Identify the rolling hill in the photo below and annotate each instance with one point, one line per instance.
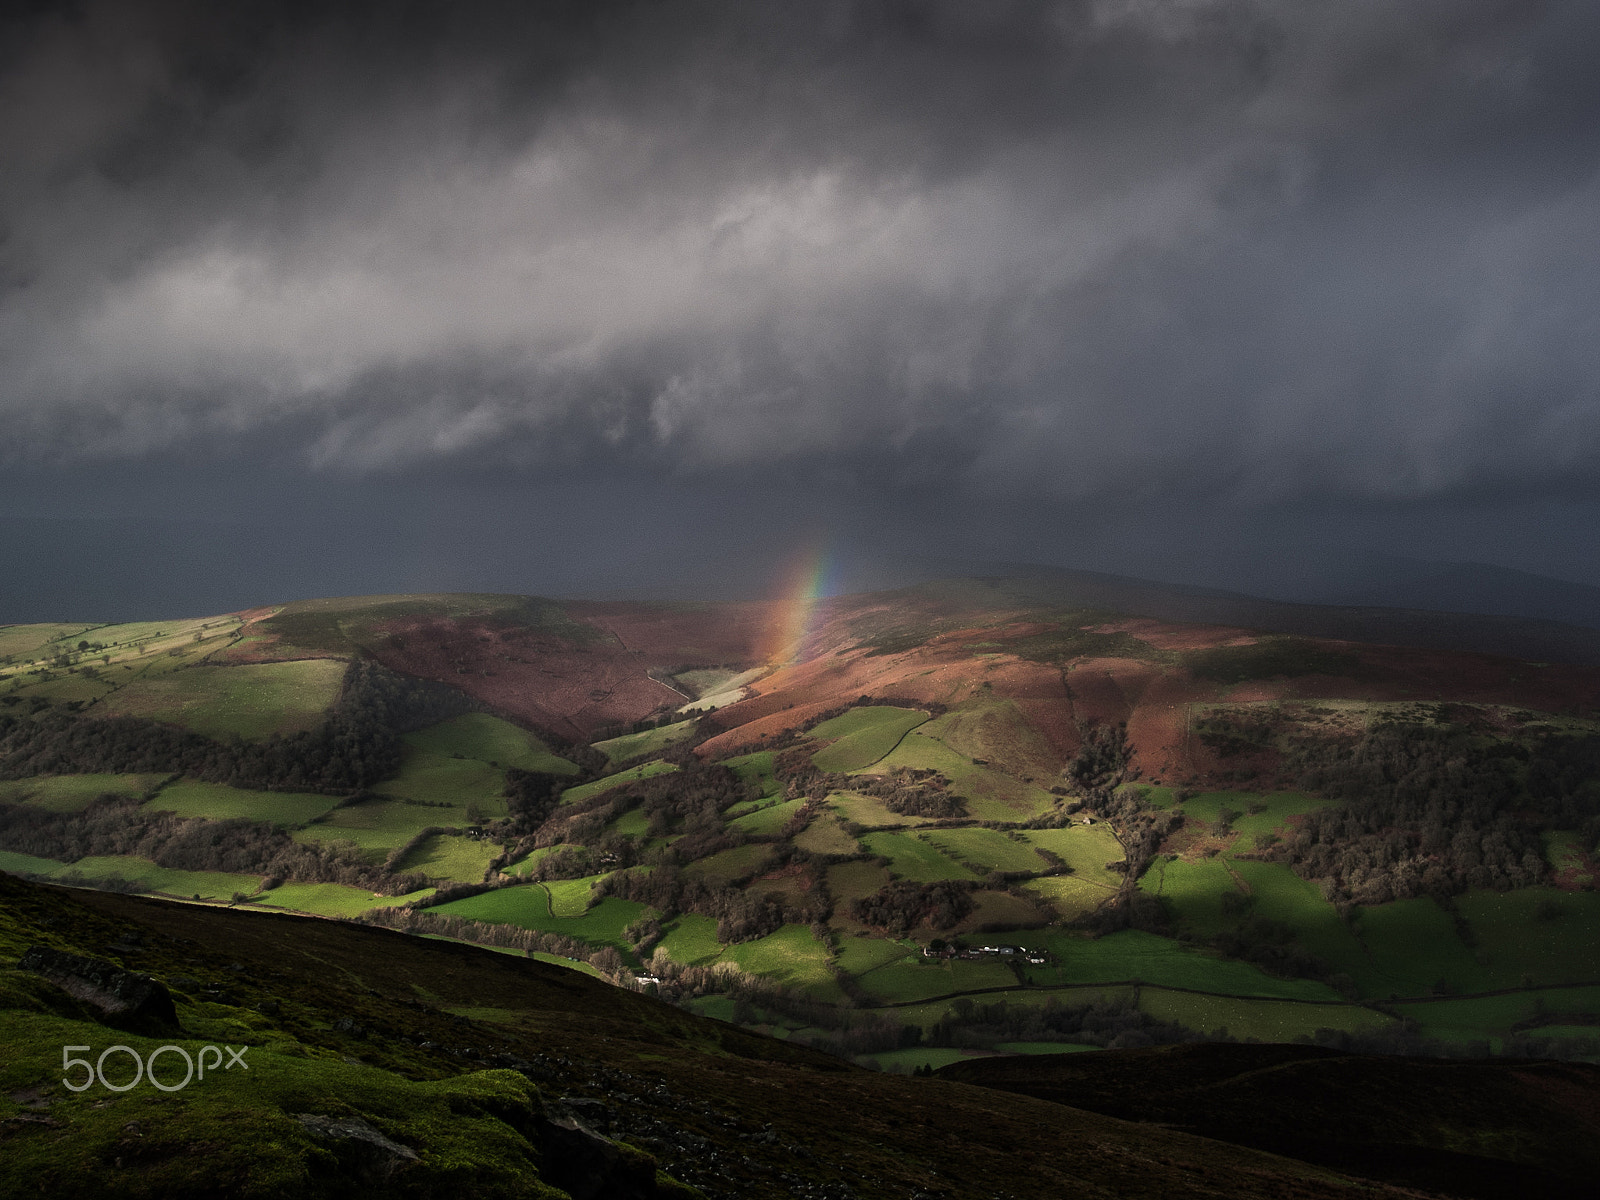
(1010, 815)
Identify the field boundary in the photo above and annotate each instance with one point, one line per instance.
(1140, 985)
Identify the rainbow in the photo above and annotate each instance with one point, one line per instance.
(804, 582)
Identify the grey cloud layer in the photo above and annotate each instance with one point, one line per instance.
(1248, 247)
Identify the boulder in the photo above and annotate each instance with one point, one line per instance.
(123, 999)
(364, 1153)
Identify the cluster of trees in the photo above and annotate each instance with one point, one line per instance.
(117, 825)
(904, 905)
(915, 793)
(800, 778)
(1434, 811)
(1114, 1024)
(531, 796)
(742, 914)
(1101, 762)
(356, 746)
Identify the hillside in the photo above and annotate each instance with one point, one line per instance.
(955, 819)
(372, 1065)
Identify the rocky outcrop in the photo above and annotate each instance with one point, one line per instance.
(123, 999)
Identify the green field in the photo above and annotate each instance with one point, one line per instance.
(586, 790)
(1565, 852)
(1493, 1016)
(570, 897)
(863, 736)
(871, 812)
(445, 856)
(529, 908)
(769, 819)
(991, 795)
(490, 740)
(925, 1056)
(330, 899)
(691, 940)
(378, 826)
(250, 700)
(532, 859)
(217, 802)
(27, 864)
(208, 885)
(997, 909)
(1266, 1020)
(858, 955)
(1069, 896)
(855, 880)
(1547, 936)
(791, 956)
(825, 836)
(756, 768)
(911, 979)
(24, 642)
(1085, 848)
(727, 865)
(1044, 1047)
(73, 793)
(1135, 955)
(648, 741)
(985, 850)
(912, 858)
(440, 779)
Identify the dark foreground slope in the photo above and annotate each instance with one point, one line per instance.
(1468, 1128)
(385, 1065)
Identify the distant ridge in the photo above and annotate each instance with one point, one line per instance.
(1530, 638)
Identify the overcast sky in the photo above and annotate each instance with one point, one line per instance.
(553, 297)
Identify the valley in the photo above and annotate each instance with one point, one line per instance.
(961, 819)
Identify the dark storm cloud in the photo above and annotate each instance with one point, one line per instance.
(1254, 248)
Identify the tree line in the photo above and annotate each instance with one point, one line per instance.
(118, 825)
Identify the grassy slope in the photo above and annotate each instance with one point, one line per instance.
(882, 1135)
(72, 793)
(491, 740)
(862, 736)
(649, 741)
(251, 700)
(586, 790)
(217, 802)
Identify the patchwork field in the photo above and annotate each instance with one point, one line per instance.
(330, 899)
(444, 856)
(584, 791)
(377, 825)
(73, 793)
(985, 850)
(791, 955)
(991, 795)
(1019, 686)
(769, 818)
(529, 907)
(216, 802)
(197, 885)
(738, 863)
(911, 857)
(649, 741)
(862, 736)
